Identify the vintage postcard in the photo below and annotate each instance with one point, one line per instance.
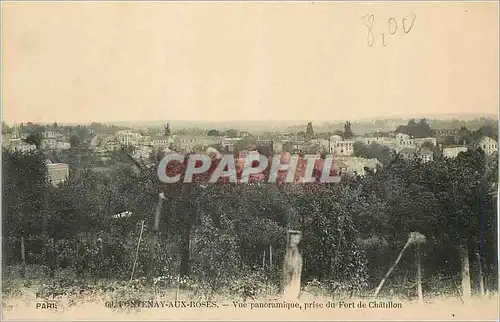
(311, 161)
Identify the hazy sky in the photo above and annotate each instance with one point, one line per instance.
(81, 62)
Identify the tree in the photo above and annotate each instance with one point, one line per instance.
(419, 130)
(84, 133)
(213, 132)
(265, 150)
(488, 130)
(470, 138)
(245, 144)
(5, 128)
(429, 145)
(32, 128)
(34, 138)
(469, 187)
(24, 187)
(232, 133)
(74, 141)
(449, 140)
(331, 252)
(374, 150)
(441, 199)
(347, 131)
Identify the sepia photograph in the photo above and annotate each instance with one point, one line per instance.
(249, 160)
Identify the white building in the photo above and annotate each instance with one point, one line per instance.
(162, 141)
(355, 165)
(403, 141)
(57, 172)
(19, 145)
(399, 142)
(341, 147)
(60, 145)
(145, 140)
(112, 146)
(185, 142)
(53, 141)
(49, 140)
(488, 145)
(128, 138)
(229, 143)
(424, 154)
(335, 138)
(452, 152)
(190, 142)
(380, 140)
(402, 136)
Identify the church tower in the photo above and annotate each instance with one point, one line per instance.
(167, 129)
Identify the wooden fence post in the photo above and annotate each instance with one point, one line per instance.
(23, 257)
(379, 287)
(413, 238)
(480, 275)
(419, 276)
(271, 256)
(466, 288)
(292, 267)
(137, 251)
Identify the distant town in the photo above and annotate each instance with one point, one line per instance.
(99, 147)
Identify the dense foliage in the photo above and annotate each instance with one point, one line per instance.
(382, 153)
(221, 232)
(420, 129)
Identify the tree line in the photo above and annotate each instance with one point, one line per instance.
(352, 231)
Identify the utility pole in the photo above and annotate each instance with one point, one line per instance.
(154, 238)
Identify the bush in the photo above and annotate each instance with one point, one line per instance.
(216, 260)
(252, 284)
